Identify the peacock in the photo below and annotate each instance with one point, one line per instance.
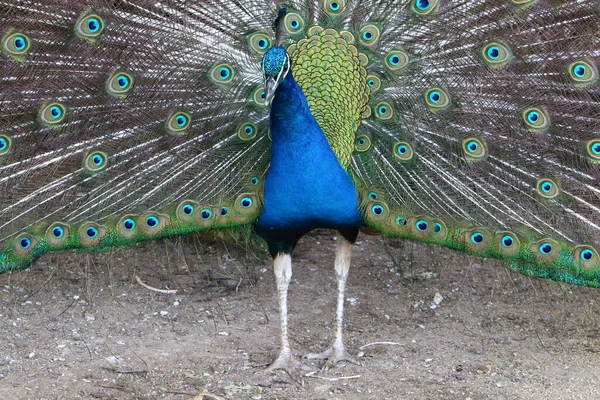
(470, 124)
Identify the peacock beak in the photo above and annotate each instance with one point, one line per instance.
(270, 87)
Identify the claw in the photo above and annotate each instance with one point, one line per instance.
(295, 369)
(333, 355)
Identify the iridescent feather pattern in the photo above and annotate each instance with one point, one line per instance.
(470, 124)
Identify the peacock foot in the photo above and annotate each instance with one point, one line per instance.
(289, 364)
(333, 355)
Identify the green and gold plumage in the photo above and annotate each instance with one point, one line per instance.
(470, 124)
(326, 65)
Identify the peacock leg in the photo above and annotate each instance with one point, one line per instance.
(285, 361)
(337, 352)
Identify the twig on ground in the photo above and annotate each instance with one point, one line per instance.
(340, 378)
(165, 291)
(378, 343)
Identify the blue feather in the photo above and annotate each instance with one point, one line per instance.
(305, 187)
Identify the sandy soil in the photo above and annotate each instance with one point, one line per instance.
(78, 326)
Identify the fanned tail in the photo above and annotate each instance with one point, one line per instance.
(125, 121)
(484, 135)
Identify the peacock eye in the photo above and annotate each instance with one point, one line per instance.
(477, 238)
(474, 149)
(507, 241)
(334, 7)
(294, 23)
(25, 242)
(403, 151)
(496, 54)
(593, 149)
(178, 123)
(52, 114)
(152, 222)
(129, 224)
(221, 74)
(377, 209)
(247, 131)
(547, 188)
(91, 232)
(206, 214)
(583, 72)
(536, 119)
(546, 248)
(384, 111)
(369, 35)
(95, 161)
(587, 255)
(5, 144)
(259, 42)
(246, 202)
(401, 221)
(89, 27)
(422, 225)
(15, 44)
(437, 99)
(424, 7)
(396, 59)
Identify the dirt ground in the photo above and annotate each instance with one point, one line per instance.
(78, 326)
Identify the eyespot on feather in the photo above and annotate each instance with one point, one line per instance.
(152, 223)
(437, 99)
(369, 35)
(186, 211)
(403, 151)
(536, 119)
(89, 26)
(24, 244)
(362, 143)
(545, 250)
(507, 243)
(52, 114)
(474, 149)
(247, 131)
(396, 60)
(91, 233)
(119, 84)
(424, 7)
(547, 188)
(384, 111)
(334, 7)
(15, 44)
(57, 234)
(496, 54)
(293, 23)
(95, 161)
(127, 226)
(586, 257)
(582, 72)
(259, 42)
(178, 123)
(221, 73)
(5, 145)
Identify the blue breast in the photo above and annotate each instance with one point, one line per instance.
(305, 187)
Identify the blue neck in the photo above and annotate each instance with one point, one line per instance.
(305, 187)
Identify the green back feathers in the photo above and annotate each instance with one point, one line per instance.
(326, 66)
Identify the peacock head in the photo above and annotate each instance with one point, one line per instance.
(276, 65)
